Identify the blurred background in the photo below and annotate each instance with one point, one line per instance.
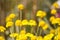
(31, 6)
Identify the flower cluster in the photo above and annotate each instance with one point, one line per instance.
(41, 28)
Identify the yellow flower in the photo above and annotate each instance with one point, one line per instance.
(54, 22)
(12, 15)
(45, 27)
(58, 29)
(48, 36)
(33, 37)
(25, 22)
(58, 21)
(41, 14)
(21, 37)
(53, 11)
(55, 5)
(56, 37)
(18, 23)
(8, 19)
(2, 38)
(2, 28)
(52, 18)
(21, 6)
(29, 35)
(39, 38)
(41, 23)
(9, 24)
(32, 23)
(52, 31)
(22, 32)
(13, 35)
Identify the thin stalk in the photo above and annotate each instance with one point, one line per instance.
(32, 29)
(11, 31)
(47, 23)
(37, 31)
(38, 27)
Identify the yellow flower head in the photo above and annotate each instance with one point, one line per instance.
(56, 37)
(2, 29)
(45, 27)
(52, 31)
(2, 38)
(9, 24)
(41, 23)
(58, 21)
(52, 18)
(13, 35)
(55, 5)
(33, 37)
(25, 22)
(58, 29)
(53, 11)
(18, 23)
(21, 37)
(29, 35)
(8, 19)
(21, 6)
(39, 38)
(32, 23)
(12, 15)
(22, 32)
(48, 36)
(41, 14)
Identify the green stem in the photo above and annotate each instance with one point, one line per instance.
(17, 29)
(11, 31)
(37, 31)
(32, 29)
(47, 23)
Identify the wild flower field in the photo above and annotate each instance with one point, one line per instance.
(41, 25)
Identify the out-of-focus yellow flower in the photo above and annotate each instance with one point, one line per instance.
(29, 35)
(53, 11)
(22, 32)
(39, 38)
(52, 18)
(2, 28)
(9, 24)
(32, 23)
(41, 14)
(56, 37)
(8, 19)
(2, 38)
(41, 23)
(33, 37)
(18, 23)
(55, 5)
(52, 31)
(45, 27)
(25, 22)
(21, 37)
(58, 21)
(12, 15)
(48, 37)
(14, 35)
(21, 6)
(58, 29)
